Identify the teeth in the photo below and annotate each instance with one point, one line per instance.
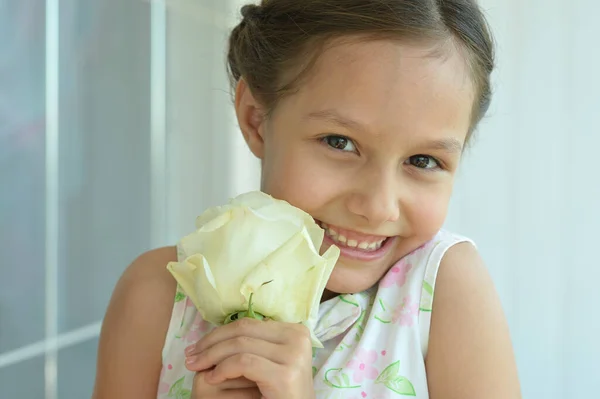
(337, 237)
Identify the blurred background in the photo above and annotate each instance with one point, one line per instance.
(117, 130)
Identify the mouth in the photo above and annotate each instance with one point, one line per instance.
(356, 245)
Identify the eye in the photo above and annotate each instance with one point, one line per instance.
(340, 143)
(423, 162)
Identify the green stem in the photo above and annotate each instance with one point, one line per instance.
(251, 313)
(246, 313)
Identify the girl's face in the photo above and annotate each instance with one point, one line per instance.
(369, 146)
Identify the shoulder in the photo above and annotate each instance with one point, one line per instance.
(470, 353)
(134, 328)
(149, 272)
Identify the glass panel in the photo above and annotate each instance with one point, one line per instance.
(104, 151)
(23, 380)
(22, 172)
(76, 373)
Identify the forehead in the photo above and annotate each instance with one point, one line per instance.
(388, 86)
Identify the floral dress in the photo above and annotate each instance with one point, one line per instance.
(375, 341)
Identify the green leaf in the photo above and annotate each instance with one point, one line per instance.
(314, 371)
(180, 296)
(401, 386)
(390, 373)
(184, 394)
(175, 388)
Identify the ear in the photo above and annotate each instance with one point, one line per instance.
(251, 118)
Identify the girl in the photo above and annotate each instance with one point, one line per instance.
(359, 111)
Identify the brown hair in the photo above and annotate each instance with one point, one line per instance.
(276, 36)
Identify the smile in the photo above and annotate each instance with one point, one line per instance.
(353, 239)
(357, 245)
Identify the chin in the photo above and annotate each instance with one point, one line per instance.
(344, 281)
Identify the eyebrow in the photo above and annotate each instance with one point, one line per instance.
(450, 145)
(332, 116)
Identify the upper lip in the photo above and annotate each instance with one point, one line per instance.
(353, 234)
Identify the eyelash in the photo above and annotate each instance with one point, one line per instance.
(325, 140)
(438, 163)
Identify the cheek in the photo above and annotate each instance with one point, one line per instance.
(427, 213)
(300, 179)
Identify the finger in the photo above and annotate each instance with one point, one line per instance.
(244, 365)
(224, 349)
(200, 382)
(236, 383)
(271, 331)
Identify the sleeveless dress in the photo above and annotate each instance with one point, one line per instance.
(375, 341)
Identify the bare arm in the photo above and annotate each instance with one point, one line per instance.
(470, 353)
(134, 329)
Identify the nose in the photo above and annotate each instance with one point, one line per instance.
(376, 199)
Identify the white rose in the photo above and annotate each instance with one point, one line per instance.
(256, 245)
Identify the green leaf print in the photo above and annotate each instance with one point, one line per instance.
(359, 326)
(427, 287)
(379, 317)
(314, 371)
(392, 380)
(401, 386)
(176, 388)
(346, 379)
(180, 296)
(344, 299)
(340, 381)
(184, 394)
(389, 373)
(427, 298)
(384, 321)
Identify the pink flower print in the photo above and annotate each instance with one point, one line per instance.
(163, 387)
(396, 275)
(406, 312)
(197, 330)
(362, 365)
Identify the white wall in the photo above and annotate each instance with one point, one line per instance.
(527, 191)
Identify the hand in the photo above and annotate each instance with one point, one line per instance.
(276, 356)
(239, 388)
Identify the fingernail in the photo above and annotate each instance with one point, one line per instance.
(190, 349)
(191, 359)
